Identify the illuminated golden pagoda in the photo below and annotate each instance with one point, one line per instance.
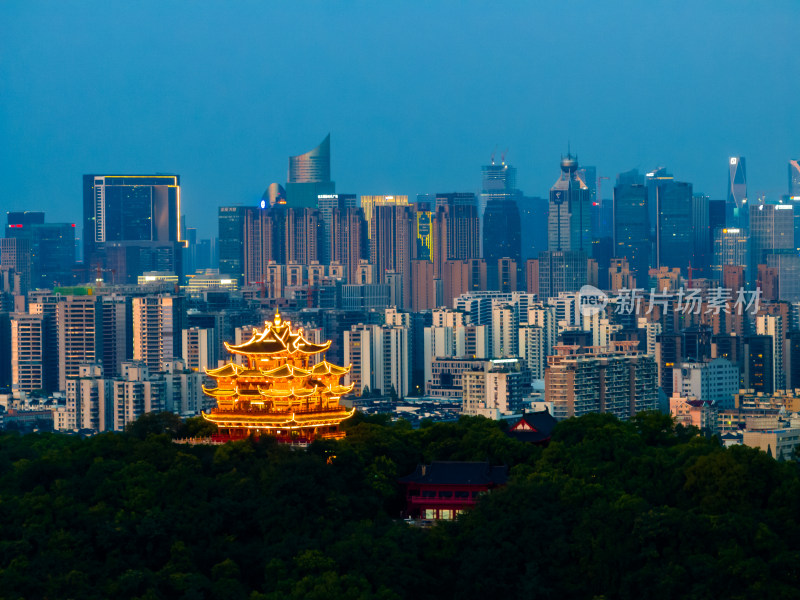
(279, 392)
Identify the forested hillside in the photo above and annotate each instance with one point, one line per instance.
(609, 509)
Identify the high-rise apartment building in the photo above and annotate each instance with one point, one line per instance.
(79, 320)
(90, 399)
(759, 363)
(131, 222)
(773, 326)
(505, 331)
(157, 325)
(736, 203)
(327, 204)
(309, 176)
(391, 246)
(135, 394)
(716, 380)
(199, 348)
(369, 203)
(281, 235)
(380, 357)
(27, 352)
(494, 389)
(617, 380)
(426, 290)
(349, 243)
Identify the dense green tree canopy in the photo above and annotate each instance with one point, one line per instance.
(610, 509)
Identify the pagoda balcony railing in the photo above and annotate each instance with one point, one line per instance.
(267, 411)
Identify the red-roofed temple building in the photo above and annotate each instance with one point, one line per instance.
(443, 490)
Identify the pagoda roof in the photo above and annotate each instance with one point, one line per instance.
(219, 392)
(287, 370)
(228, 370)
(326, 368)
(250, 373)
(540, 421)
(340, 390)
(277, 337)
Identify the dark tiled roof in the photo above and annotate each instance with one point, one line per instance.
(542, 421)
(458, 473)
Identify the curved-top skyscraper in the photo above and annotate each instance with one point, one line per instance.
(312, 167)
(310, 176)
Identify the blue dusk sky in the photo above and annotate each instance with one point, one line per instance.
(416, 95)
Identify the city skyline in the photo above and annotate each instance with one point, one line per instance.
(217, 113)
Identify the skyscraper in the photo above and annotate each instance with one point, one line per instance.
(563, 268)
(653, 180)
(737, 193)
(702, 235)
(455, 230)
(499, 181)
(771, 229)
(326, 204)
(312, 167)
(730, 248)
(569, 218)
(533, 225)
(501, 234)
(631, 224)
(130, 212)
(310, 176)
(674, 236)
(794, 178)
(231, 241)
